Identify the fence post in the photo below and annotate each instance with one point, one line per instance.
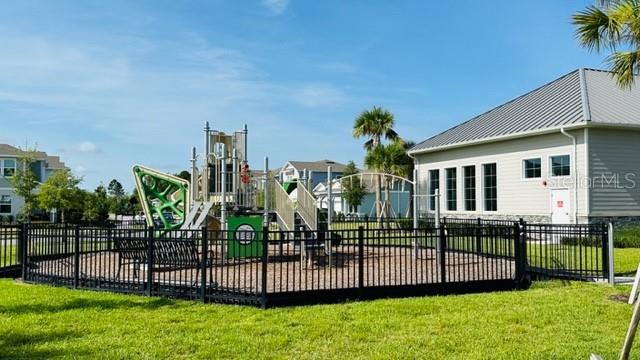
(605, 250)
(479, 236)
(519, 251)
(150, 252)
(203, 266)
(360, 260)
(76, 257)
(610, 245)
(265, 259)
(23, 238)
(441, 249)
(110, 238)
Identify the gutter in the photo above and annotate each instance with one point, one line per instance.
(574, 163)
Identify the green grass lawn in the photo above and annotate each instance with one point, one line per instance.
(550, 321)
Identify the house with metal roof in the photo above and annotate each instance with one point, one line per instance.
(313, 172)
(10, 160)
(565, 152)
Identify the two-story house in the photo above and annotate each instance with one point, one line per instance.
(10, 162)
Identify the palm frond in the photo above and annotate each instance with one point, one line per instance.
(626, 66)
(375, 123)
(596, 28)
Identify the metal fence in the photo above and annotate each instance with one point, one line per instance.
(575, 251)
(287, 267)
(9, 250)
(569, 251)
(372, 222)
(293, 267)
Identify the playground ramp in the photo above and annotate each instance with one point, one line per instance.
(286, 209)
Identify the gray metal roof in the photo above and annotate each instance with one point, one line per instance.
(579, 97)
(608, 103)
(320, 165)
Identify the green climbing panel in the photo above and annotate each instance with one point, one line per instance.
(164, 197)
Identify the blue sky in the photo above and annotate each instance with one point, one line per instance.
(110, 84)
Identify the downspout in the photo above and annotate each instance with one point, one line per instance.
(574, 162)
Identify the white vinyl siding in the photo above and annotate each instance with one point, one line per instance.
(515, 196)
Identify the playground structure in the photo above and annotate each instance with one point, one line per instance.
(223, 186)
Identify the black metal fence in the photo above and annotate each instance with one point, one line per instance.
(575, 251)
(284, 268)
(569, 251)
(278, 268)
(9, 250)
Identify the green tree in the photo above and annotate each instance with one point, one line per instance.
(25, 182)
(96, 206)
(60, 191)
(353, 191)
(613, 25)
(115, 188)
(184, 174)
(134, 205)
(376, 124)
(117, 200)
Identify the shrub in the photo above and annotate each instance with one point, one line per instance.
(627, 237)
(583, 241)
(623, 237)
(407, 223)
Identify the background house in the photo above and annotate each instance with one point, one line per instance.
(10, 156)
(314, 172)
(564, 152)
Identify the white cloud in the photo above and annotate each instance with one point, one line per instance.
(80, 170)
(87, 147)
(276, 7)
(133, 104)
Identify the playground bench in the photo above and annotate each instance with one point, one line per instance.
(168, 254)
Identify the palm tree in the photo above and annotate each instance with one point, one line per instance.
(388, 159)
(375, 124)
(613, 25)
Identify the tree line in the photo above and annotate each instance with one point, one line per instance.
(61, 193)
